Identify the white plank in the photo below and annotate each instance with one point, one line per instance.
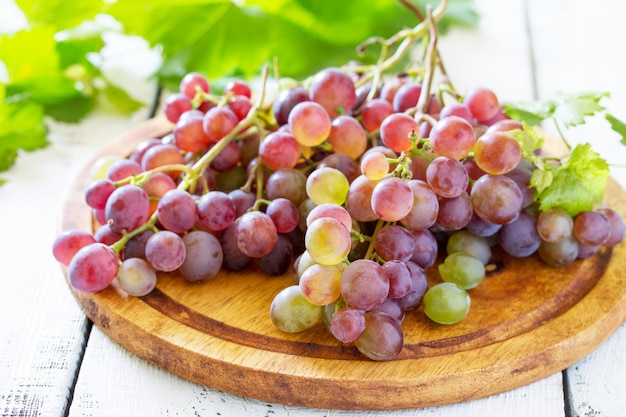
(583, 55)
(113, 381)
(41, 326)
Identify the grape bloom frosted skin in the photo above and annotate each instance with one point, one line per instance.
(348, 186)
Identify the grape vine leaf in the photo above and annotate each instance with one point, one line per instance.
(21, 127)
(57, 12)
(618, 126)
(529, 141)
(569, 109)
(576, 185)
(222, 37)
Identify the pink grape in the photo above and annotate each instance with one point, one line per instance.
(136, 276)
(189, 134)
(419, 285)
(496, 199)
(425, 209)
(455, 213)
(334, 90)
(286, 100)
(457, 109)
(162, 155)
(382, 339)
(165, 251)
(93, 268)
(175, 105)
(399, 276)
(216, 210)
(256, 234)
(68, 243)
(127, 208)
(289, 183)
(483, 104)
(616, 234)
(347, 324)
(192, 82)
(592, 228)
(497, 153)
(106, 235)
(279, 150)
(280, 258)
(447, 177)
(426, 248)
(330, 210)
(392, 199)
(284, 214)
(358, 201)
(397, 130)
(203, 256)
(240, 105)
(309, 122)
(98, 192)
(406, 96)
(374, 112)
(176, 211)
(227, 159)
(320, 284)
(347, 136)
(453, 137)
(364, 284)
(122, 169)
(393, 242)
(375, 165)
(218, 122)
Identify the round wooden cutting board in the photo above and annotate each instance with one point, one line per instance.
(527, 321)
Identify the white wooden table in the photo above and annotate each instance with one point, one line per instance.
(54, 363)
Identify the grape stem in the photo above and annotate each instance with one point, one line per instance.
(416, 11)
(370, 249)
(406, 38)
(431, 56)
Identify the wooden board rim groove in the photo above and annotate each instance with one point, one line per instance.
(323, 383)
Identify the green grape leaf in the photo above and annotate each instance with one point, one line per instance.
(72, 110)
(618, 126)
(541, 179)
(37, 75)
(121, 99)
(21, 128)
(578, 183)
(57, 12)
(532, 112)
(8, 156)
(529, 140)
(571, 109)
(222, 37)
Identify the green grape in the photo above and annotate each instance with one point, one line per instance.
(462, 269)
(320, 284)
(328, 241)
(101, 166)
(446, 303)
(466, 241)
(291, 312)
(327, 185)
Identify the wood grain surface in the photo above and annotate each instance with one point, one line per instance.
(527, 322)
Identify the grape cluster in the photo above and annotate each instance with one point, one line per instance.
(357, 186)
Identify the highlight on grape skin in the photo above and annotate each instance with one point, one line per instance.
(375, 201)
